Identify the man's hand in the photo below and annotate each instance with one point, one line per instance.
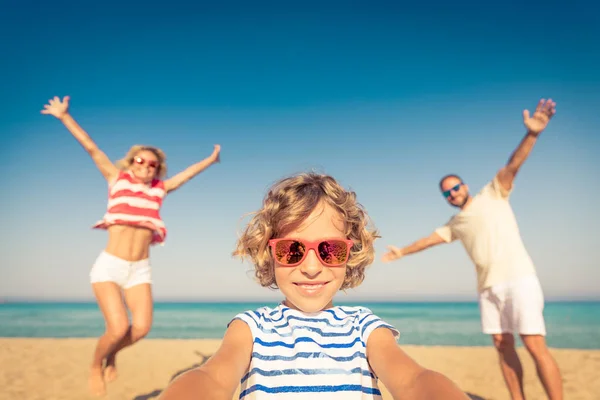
(544, 111)
(216, 154)
(56, 107)
(393, 253)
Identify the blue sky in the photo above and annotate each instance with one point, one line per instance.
(386, 98)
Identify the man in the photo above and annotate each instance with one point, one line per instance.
(510, 294)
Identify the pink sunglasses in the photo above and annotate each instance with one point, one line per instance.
(291, 252)
(141, 161)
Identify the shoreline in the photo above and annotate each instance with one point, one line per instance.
(470, 300)
(519, 345)
(189, 340)
(570, 326)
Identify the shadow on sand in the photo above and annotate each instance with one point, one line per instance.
(156, 392)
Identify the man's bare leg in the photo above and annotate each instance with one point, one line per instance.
(547, 368)
(510, 364)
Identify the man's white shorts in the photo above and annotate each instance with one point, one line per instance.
(515, 306)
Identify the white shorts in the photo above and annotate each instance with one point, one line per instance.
(515, 306)
(126, 274)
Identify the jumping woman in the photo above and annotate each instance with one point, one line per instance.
(121, 275)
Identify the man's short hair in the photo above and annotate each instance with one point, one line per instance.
(449, 176)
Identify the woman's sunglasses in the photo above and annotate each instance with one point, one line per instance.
(291, 252)
(141, 161)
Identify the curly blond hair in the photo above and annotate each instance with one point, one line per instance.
(124, 163)
(287, 204)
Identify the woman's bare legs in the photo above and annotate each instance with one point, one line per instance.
(110, 300)
(139, 302)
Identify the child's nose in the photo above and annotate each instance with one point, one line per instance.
(311, 265)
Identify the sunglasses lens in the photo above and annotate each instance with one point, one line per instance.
(333, 252)
(142, 161)
(456, 188)
(289, 251)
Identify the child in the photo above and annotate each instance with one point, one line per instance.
(310, 239)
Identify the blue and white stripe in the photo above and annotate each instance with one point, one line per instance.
(322, 354)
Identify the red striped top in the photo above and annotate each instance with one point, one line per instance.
(137, 204)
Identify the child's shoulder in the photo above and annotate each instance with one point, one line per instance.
(262, 314)
(366, 320)
(266, 311)
(353, 310)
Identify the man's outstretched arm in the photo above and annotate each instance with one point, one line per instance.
(535, 124)
(395, 253)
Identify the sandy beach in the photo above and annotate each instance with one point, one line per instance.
(53, 369)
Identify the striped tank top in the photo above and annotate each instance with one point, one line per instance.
(137, 204)
(320, 355)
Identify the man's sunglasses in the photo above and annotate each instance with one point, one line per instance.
(448, 192)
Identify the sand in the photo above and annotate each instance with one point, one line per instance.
(50, 369)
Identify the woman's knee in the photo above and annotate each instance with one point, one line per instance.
(117, 330)
(140, 330)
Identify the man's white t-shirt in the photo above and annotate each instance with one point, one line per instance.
(489, 232)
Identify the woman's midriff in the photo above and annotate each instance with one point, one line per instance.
(131, 243)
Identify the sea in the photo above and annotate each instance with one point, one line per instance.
(569, 324)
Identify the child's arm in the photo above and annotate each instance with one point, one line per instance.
(402, 376)
(220, 376)
(176, 181)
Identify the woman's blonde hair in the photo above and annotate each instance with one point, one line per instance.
(124, 163)
(287, 204)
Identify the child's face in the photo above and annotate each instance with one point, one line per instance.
(310, 286)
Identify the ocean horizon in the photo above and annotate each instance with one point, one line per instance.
(570, 324)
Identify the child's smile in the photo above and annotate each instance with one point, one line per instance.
(310, 288)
